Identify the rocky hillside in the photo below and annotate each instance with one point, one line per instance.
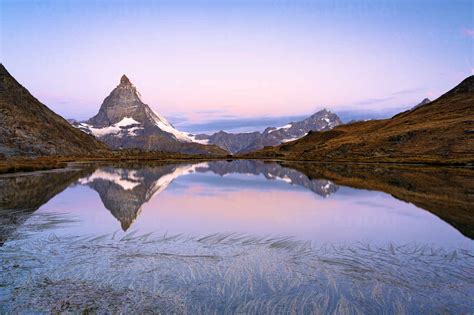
(29, 128)
(440, 131)
(271, 136)
(125, 122)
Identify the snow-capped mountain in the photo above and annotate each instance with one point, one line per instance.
(124, 121)
(271, 136)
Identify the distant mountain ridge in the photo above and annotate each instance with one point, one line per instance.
(272, 136)
(125, 122)
(29, 128)
(439, 131)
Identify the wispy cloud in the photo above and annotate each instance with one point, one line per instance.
(408, 91)
(64, 102)
(210, 111)
(393, 96)
(369, 101)
(469, 32)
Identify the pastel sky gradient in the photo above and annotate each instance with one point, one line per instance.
(205, 61)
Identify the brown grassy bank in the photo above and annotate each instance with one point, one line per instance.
(29, 164)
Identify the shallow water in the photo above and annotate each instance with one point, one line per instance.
(237, 237)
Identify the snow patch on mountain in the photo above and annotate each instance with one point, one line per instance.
(293, 139)
(164, 125)
(288, 126)
(126, 180)
(193, 138)
(114, 129)
(127, 121)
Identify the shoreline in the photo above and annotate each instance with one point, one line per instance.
(42, 163)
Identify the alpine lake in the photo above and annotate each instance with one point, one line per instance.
(237, 236)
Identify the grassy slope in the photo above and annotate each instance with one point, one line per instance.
(29, 128)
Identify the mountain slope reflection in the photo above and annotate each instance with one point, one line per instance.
(447, 192)
(22, 195)
(125, 190)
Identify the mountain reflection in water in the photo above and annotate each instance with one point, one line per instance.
(124, 190)
(21, 195)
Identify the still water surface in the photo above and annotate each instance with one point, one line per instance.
(236, 237)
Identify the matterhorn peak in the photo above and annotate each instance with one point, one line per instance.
(123, 117)
(125, 81)
(127, 87)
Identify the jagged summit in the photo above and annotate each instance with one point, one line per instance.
(123, 101)
(124, 80)
(122, 108)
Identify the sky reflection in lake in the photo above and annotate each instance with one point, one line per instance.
(246, 197)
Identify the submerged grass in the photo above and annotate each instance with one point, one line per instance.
(227, 274)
